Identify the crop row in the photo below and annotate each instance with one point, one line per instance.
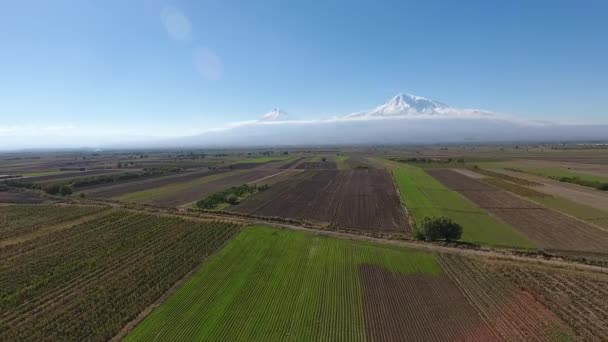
(513, 314)
(21, 219)
(88, 281)
(579, 299)
(277, 285)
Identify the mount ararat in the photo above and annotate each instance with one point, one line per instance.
(405, 118)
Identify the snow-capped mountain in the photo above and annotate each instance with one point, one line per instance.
(404, 118)
(274, 115)
(408, 105)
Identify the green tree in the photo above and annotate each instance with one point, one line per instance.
(52, 189)
(440, 228)
(232, 199)
(65, 190)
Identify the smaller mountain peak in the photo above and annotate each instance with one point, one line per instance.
(276, 114)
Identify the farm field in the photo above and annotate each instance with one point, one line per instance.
(341, 264)
(64, 176)
(43, 173)
(426, 197)
(590, 169)
(341, 162)
(20, 197)
(580, 194)
(292, 163)
(546, 228)
(551, 199)
(184, 193)
(317, 163)
(576, 297)
(563, 172)
(88, 279)
(22, 220)
(354, 199)
(276, 285)
(123, 188)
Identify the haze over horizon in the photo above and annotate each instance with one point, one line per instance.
(113, 73)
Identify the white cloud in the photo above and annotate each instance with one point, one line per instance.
(208, 64)
(175, 22)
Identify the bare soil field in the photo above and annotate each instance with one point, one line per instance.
(418, 307)
(470, 174)
(357, 162)
(50, 163)
(327, 165)
(369, 199)
(547, 228)
(260, 200)
(247, 166)
(68, 175)
(355, 199)
(291, 164)
(511, 313)
(21, 197)
(120, 189)
(579, 298)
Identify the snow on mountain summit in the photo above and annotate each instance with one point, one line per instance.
(274, 115)
(408, 105)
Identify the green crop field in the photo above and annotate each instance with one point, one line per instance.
(18, 220)
(158, 193)
(586, 179)
(426, 197)
(341, 162)
(44, 173)
(276, 285)
(577, 210)
(556, 172)
(263, 159)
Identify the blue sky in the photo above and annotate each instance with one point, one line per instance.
(163, 68)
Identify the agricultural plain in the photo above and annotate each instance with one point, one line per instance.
(131, 253)
(276, 285)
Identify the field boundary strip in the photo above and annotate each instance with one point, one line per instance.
(261, 179)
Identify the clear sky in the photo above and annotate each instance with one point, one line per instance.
(162, 68)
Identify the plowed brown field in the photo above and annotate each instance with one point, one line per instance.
(418, 307)
(353, 199)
